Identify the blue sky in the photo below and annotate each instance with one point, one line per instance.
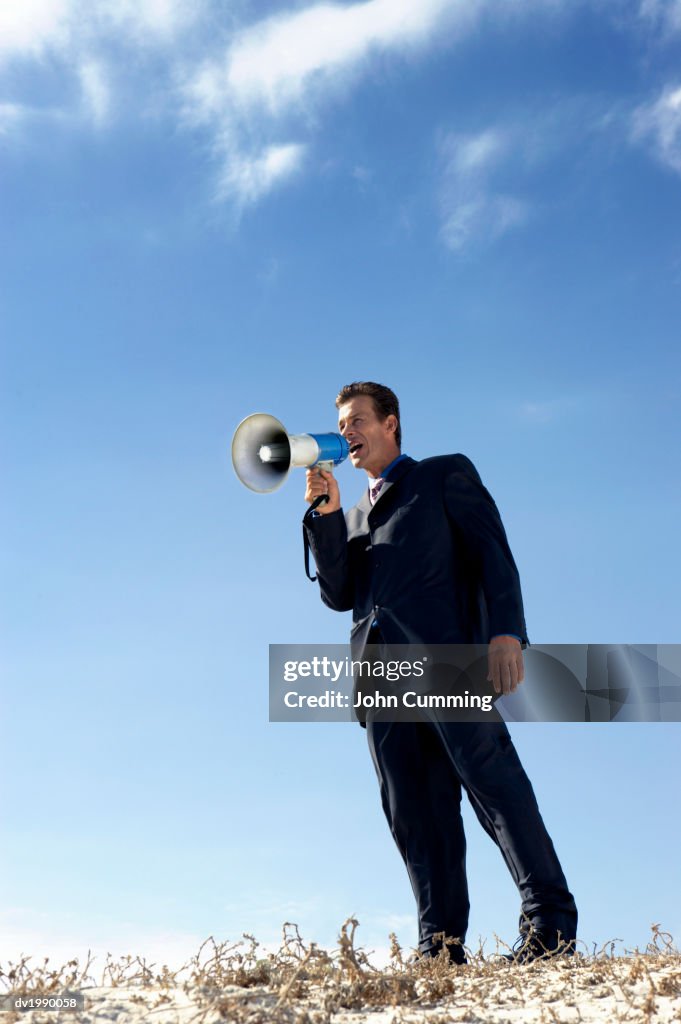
(210, 209)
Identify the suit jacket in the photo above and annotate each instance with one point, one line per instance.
(429, 561)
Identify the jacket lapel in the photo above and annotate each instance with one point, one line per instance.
(364, 506)
(362, 510)
(396, 474)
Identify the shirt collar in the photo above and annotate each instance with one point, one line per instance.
(388, 468)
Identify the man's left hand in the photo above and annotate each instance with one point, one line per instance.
(505, 668)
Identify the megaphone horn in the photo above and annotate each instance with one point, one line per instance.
(263, 452)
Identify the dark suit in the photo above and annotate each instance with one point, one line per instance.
(430, 563)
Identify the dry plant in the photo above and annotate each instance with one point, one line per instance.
(303, 984)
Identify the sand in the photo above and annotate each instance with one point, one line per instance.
(303, 984)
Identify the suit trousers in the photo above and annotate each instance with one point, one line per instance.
(422, 768)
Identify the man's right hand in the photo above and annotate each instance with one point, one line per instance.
(320, 481)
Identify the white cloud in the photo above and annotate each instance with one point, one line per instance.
(472, 211)
(14, 116)
(272, 62)
(10, 115)
(482, 219)
(284, 65)
(658, 125)
(258, 98)
(245, 98)
(95, 89)
(246, 178)
(550, 409)
(473, 154)
(27, 26)
(662, 14)
(149, 20)
(361, 173)
(74, 33)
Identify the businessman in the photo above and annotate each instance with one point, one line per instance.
(423, 558)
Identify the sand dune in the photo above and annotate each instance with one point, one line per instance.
(304, 984)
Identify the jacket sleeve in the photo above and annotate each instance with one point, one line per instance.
(472, 510)
(328, 537)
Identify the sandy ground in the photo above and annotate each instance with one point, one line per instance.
(301, 983)
(645, 988)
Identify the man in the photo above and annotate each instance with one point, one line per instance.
(423, 558)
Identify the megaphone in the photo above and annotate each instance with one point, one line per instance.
(263, 452)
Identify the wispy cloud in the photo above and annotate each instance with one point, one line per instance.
(16, 118)
(472, 210)
(76, 34)
(247, 177)
(664, 15)
(96, 91)
(657, 125)
(272, 64)
(11, 114)
(260, 93)
(549, 410)
(26, 28)
(149, 21)
(251, 98)
(274, 74)
(31, 27)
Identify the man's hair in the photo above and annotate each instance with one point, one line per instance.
(385, 401)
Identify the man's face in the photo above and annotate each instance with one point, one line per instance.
(371, 440)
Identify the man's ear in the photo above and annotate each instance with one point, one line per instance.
(391, 423)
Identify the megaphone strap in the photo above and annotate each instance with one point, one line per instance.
(320, 500)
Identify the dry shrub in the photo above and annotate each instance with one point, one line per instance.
(303, 984)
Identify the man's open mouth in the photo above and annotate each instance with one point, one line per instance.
(355, 448)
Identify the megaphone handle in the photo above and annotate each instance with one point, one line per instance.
(328, 466)
(319, 500)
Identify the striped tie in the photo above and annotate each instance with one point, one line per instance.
(374, 491)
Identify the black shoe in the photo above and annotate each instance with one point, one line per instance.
(539, 946)
(455, 952)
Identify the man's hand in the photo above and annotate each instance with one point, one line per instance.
(320, 481)
(505, 664)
